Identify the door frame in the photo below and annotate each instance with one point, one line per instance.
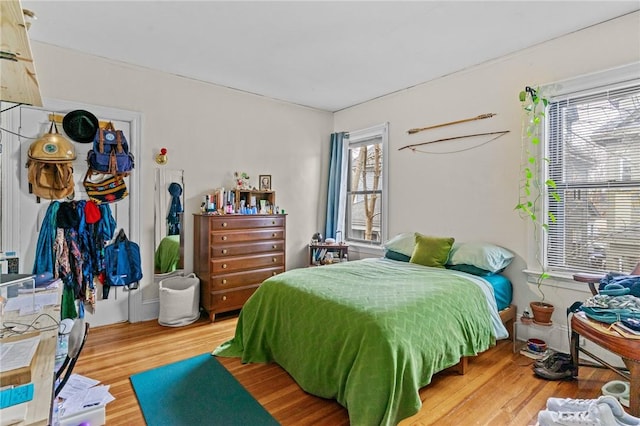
(11, 180)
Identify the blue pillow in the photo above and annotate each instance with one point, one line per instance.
(487, 256)
(403, 243)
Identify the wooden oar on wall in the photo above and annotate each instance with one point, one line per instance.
(480, 117)
(413, 146)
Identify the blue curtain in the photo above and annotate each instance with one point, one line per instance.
(335, 193)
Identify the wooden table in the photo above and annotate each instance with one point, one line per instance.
(628, 349)
(42, 371)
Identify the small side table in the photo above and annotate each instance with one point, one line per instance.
(628, 349)
(318, 252)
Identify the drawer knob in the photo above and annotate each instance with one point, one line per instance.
(274, 274)
(274, 246)
(224, 266)
(274, 260)
(224, 251)
(273, 222)
(224, 297)
(224, 238)
(274, 234)
(224, 281)
(224, 224)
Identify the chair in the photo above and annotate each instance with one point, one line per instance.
(593, 279)
(77, 338)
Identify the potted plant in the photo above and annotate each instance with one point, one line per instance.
(533, 188)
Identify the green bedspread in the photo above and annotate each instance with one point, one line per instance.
(368, 333)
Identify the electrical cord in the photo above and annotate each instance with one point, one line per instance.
(9, 326)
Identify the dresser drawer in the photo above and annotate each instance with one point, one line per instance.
(228, 300)
(246, 235)
(241, 279)
(225, 265)
(221, 250)
(235, 222)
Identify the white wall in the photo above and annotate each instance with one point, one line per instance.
(210, 132)
(471, 195)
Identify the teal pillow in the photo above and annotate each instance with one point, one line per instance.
(431, 251)
(402, 243)
(470, 269)
(394, 255)
(487, 256)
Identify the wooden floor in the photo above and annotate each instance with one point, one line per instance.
(499, 387)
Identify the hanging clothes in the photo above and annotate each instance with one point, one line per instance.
(173, 218)
(44, 259)
(71, 247)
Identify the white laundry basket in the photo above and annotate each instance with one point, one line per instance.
(179, 300)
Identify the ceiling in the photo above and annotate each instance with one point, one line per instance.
(324, 55)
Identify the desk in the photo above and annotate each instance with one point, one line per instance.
(628, 349)
(42, 373)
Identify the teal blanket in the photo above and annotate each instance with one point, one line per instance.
(368, 333)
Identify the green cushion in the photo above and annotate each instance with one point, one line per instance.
(431, 251)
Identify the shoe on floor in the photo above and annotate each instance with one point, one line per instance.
(560, 369)
(596, 415)
(548, 360)
(581, 405)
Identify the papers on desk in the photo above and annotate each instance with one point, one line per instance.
(81, 393)
(17, 354)
(30, 303)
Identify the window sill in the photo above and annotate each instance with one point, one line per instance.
(557, 279)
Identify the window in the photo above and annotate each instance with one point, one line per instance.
(366, 185)
(594, 157)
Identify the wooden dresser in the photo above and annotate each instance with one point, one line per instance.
(233, 254)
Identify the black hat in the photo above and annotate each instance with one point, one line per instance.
(80, 125)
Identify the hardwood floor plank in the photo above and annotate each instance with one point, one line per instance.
(499, 387)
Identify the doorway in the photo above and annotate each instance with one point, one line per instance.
(23, 216)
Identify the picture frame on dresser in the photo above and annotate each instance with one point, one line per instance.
(265, 182)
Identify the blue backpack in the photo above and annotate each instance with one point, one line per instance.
(110, 153)
(122, 263)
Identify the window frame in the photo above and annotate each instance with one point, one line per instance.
(358, 138)
(591, 84)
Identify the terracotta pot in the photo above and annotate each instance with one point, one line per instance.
(541, 312)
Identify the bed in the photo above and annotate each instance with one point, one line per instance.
(368, 333)
(167, 255)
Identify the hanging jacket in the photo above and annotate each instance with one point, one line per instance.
(44, 260)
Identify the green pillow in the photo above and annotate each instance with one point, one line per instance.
(431, 251)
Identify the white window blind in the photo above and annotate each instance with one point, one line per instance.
(594, 158)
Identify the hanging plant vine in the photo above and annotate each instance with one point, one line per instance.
(534, 185)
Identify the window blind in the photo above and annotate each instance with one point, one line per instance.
(594, 159)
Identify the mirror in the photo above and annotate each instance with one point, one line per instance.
(168, 218)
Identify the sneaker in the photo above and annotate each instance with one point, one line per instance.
(581, 405)
(560, 369)
(596, 415)
(548, 360)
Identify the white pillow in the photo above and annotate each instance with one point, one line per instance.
(487, 256)
(402, 243)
